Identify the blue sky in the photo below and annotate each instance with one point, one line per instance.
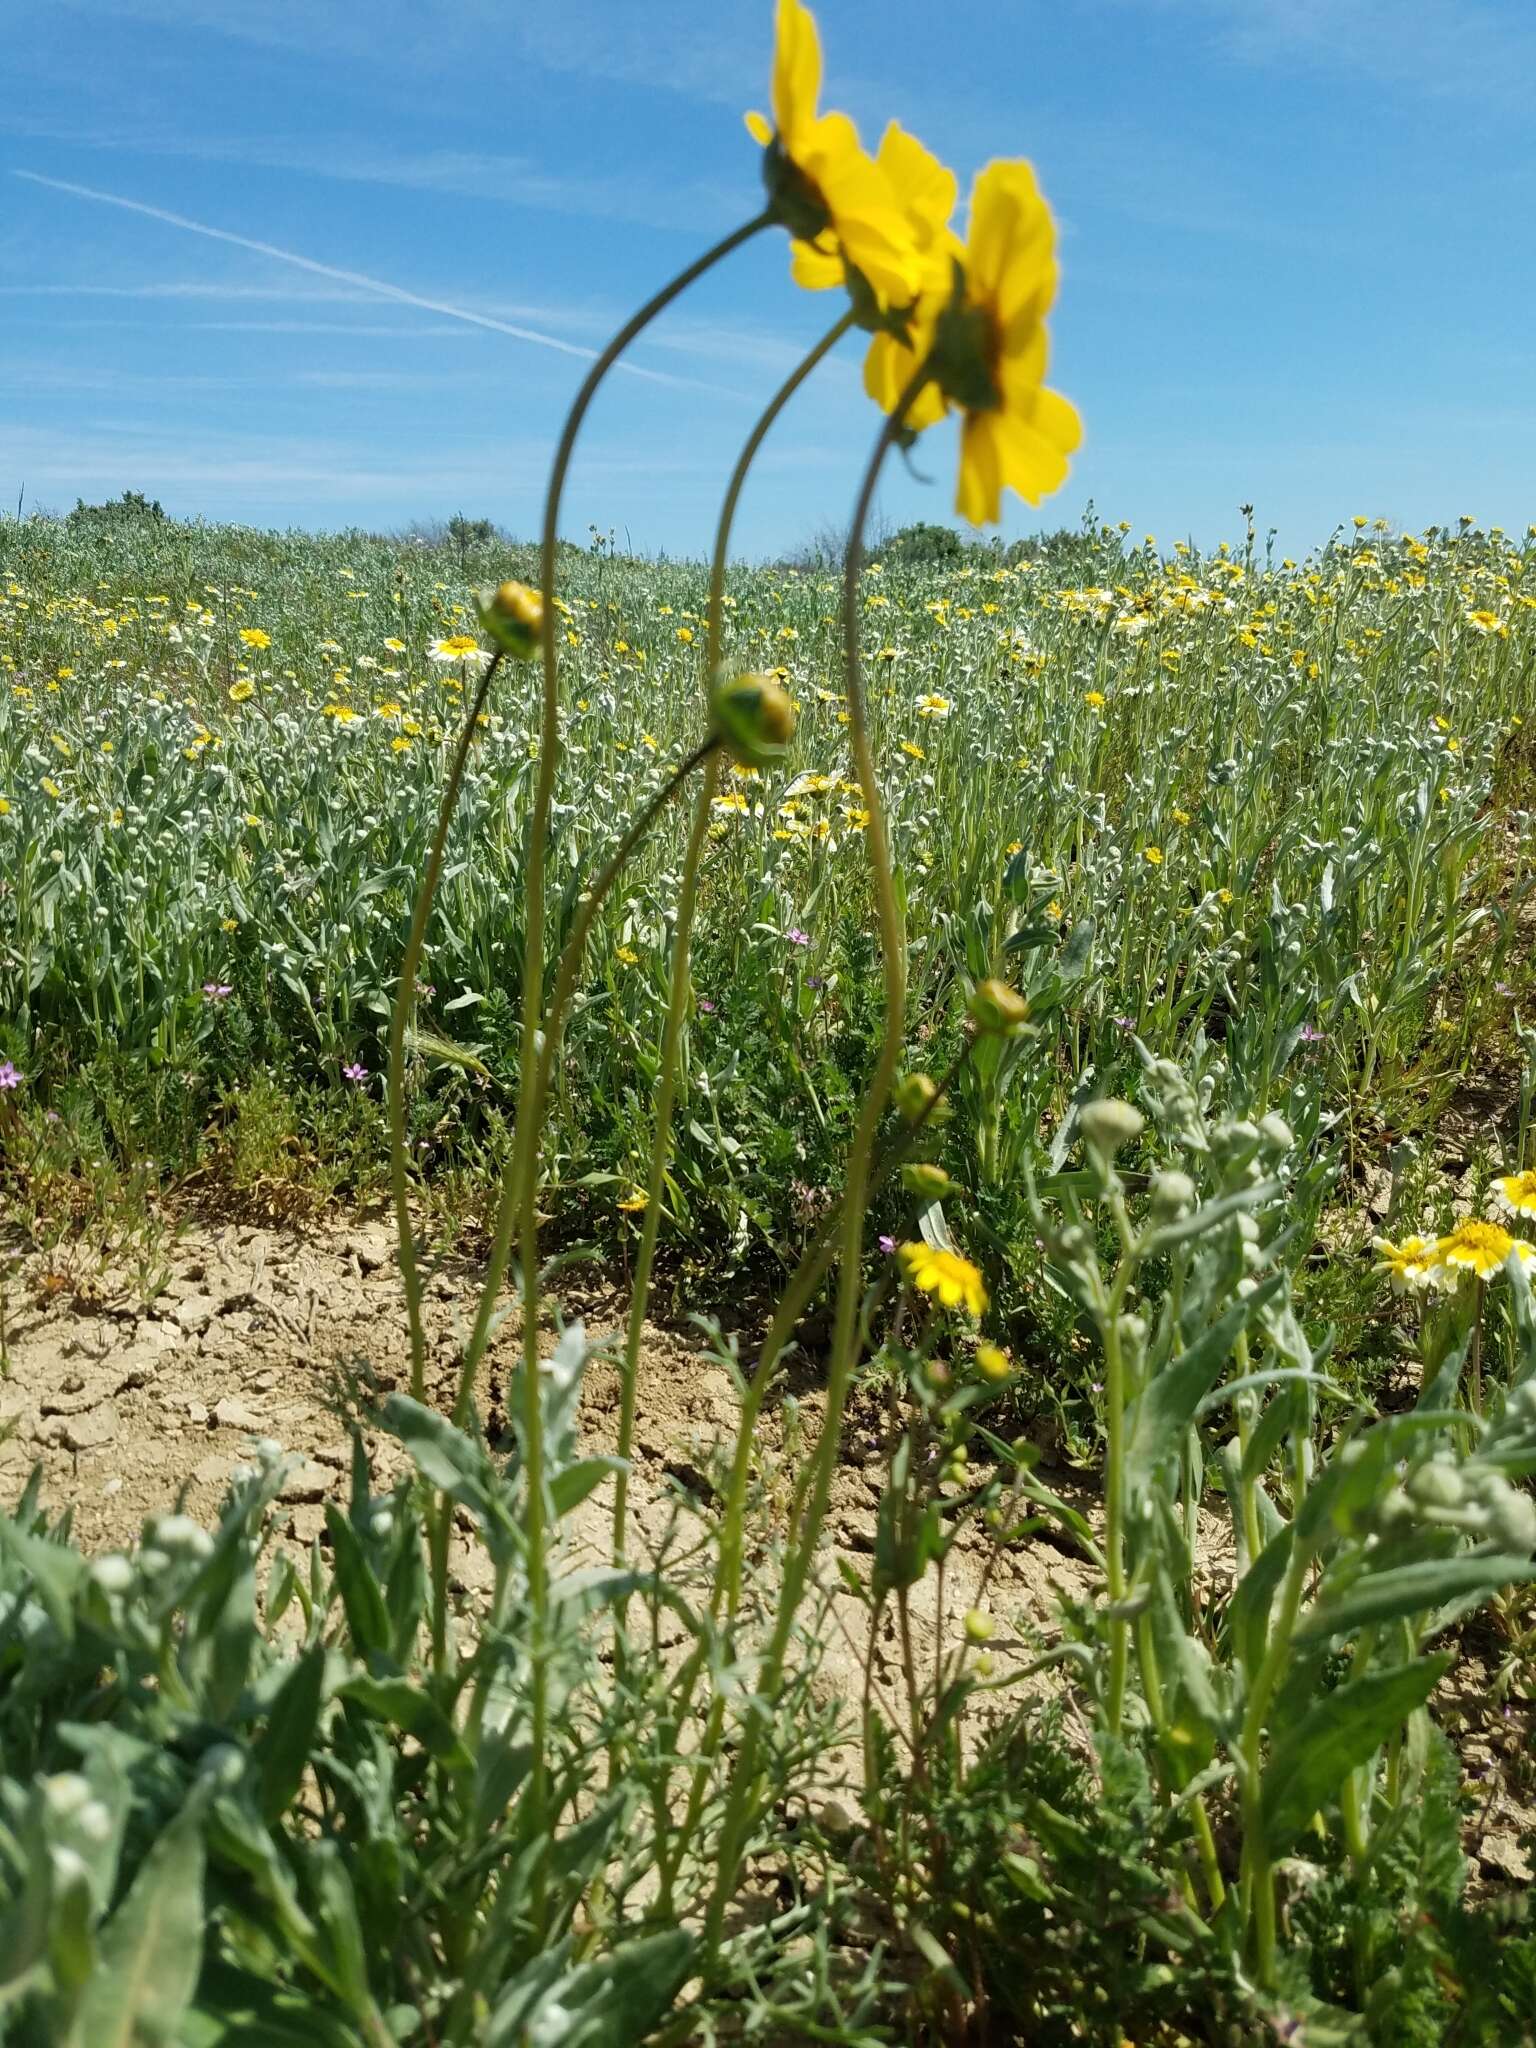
(1298, 243)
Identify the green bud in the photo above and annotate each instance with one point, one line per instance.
(1173, 1195)
(917, 1097)
(512, 616)
(1436, 1485)
(929, 1183)
(994, 1006)
(1109, 1124)
(978, 1626)
(752, 718)
(1276, 1133)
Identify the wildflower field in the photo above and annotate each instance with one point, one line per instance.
(1048, 1023)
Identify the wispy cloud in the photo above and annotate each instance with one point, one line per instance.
(361, 280)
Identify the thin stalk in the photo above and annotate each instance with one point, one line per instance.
(520, 1189)
(399, 1023)
(682, 940)
(797, 1563)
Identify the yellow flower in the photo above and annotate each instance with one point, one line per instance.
(933, 706)
(987, 347)
(457, 647)
(1484, 621)
(822, 183)
(400, 744)
(911, 747)
(1153, 855)
(952, 1279)
(685, 634)
(229, 924)
(241, 691)
(395, 646)
(1480, 1248)
(1180, 817)
(1093, 697)
(1411, 1263)
(253, 636)
(628, 955)
(634, 1201)
(1516, 1193)
(5, 807)
(50, 787)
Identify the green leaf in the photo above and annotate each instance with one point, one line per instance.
(237, 2010)
(1342, 1731)
(611, 2002)
(1160, 1415)
(361, 1595)
(1408, 1589)
(568, 1489)
(282, 1753)
(151, 1949)
(400, 1704)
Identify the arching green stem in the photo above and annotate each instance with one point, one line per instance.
(816, 1487)
(399, 1023)
(682, 936)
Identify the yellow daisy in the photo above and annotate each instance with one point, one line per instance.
(823, 185)
(1515, 1193)
(951, 1279)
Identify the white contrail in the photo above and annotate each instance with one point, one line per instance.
(378, 285)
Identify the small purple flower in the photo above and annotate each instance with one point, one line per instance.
(1310, 1035)
(1503, 988)
(50, 1116)
(9, 1078)
(355, 1072)
(815, 981)
(887, 1244)
(706, 1005)
(795, 937)
(1124, 1023)
(216, 991)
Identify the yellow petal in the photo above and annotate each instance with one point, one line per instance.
(759, 127)
(796, 71)
(978, 496)
(816, 268)
(1010, 246)
(925, 187)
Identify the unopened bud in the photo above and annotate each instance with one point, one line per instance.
(1276, 1133)
(917, 1097)
(753, 719)
(994, 1006)
(978, 1626)
(1110, 1124)
(513, 616)
(992, 1362)
(1172, 1195)
(929, 1183)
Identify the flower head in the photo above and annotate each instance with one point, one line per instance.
(953, 1280)
(253, 636)
(9, 1078)
(1411, 1264)
(1480, 1248)
(823, 185)
(216, 991)
(457, 647)
(354, 1071)
(986, 343)
(1515, 1193)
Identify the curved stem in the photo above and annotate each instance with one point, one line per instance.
(682, 940)
(566, 973)
(818, 1485)
(520, 1190)
(405, 1003)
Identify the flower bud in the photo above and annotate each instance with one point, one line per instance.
(1276, 1133)
(1511, 1514)
(929, 1183)
(112, 1573)
(994, 1006)
(752, 718)
(1436, 1485)
(992, 1362)
(513, 616)
(1173, 1195)
(1109, 1124)
(978, 1626)
(917, 1097)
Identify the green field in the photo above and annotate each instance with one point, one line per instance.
(1253, 841)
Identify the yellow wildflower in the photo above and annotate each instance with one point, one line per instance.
(953, 1280)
